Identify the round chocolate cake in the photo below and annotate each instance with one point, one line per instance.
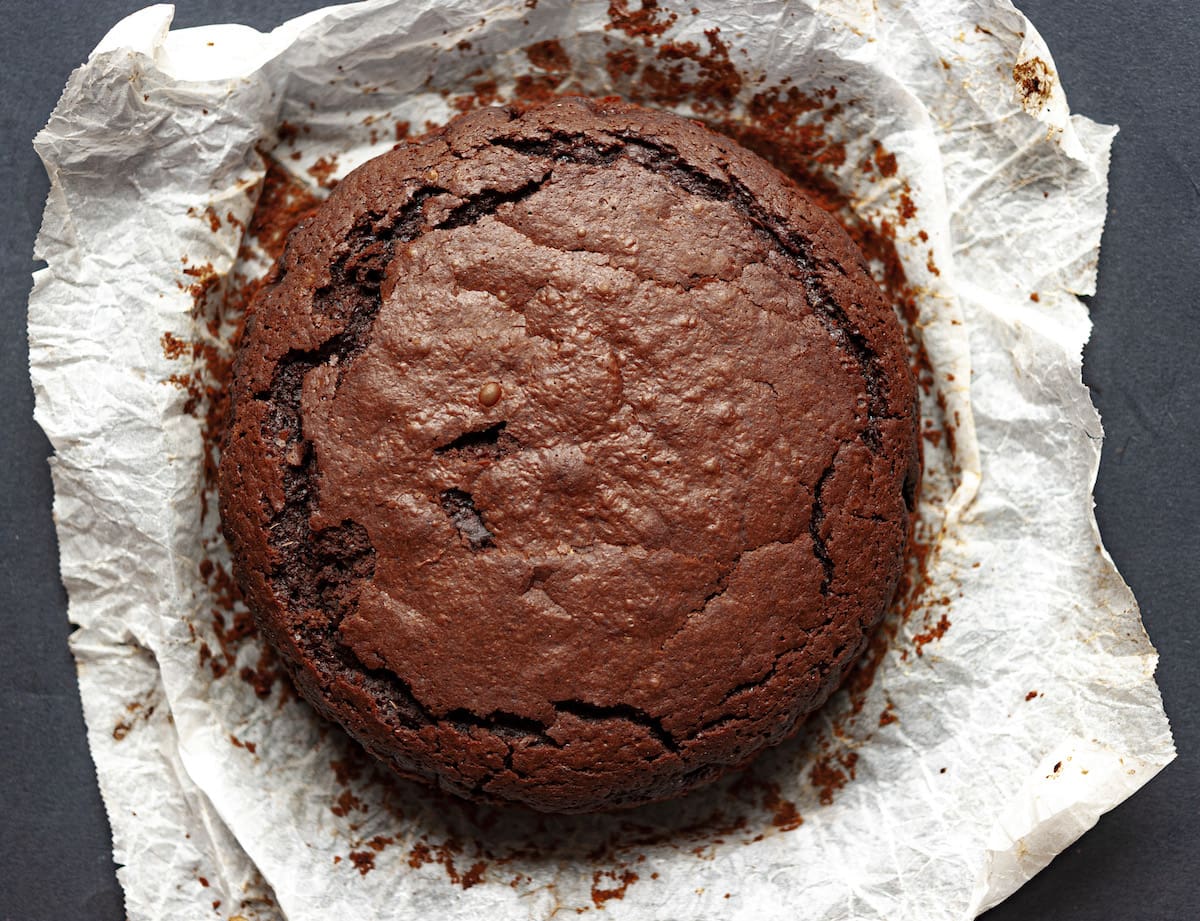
(572, 457)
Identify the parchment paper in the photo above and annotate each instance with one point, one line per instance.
(1014, 699)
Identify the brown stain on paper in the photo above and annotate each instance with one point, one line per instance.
(611, 884)
(1035, 83)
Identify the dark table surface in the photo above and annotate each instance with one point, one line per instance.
(1132, 64)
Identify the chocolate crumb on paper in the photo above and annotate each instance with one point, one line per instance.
(1035, 83)
(611, 884)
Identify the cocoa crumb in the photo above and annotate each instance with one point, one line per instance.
(548, 55)
(885, 162)
(784, 814)
(422, 853)
(830, 774)
(238, 743)
(487, 93)
(264, 674)
(173, 347)
(474, 875)
(364, 861)
(323, 169)
(621, 65)
(206, 278)
(647, 23)
(419, 855)
(345, 803)
(936, 632)
(623, 881)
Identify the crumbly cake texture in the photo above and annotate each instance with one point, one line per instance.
(572, 458)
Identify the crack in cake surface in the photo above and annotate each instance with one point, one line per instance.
(661, 159)
(460, 507)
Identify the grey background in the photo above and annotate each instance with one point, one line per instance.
(1131, 63)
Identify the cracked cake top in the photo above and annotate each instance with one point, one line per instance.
(572, 457)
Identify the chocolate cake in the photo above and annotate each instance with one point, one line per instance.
(572, 458)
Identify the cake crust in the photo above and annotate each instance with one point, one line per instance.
(572, 456)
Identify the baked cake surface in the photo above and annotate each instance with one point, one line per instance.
(572, 456)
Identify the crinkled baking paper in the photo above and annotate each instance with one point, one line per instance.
(1014, 705)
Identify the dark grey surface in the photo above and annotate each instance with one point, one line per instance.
(1134, 64)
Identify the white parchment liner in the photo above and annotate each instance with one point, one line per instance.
(1030, 711)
